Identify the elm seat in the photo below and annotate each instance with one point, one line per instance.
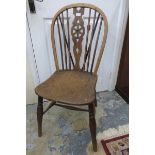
(72, 87)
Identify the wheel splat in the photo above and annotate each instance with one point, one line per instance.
(77, 31)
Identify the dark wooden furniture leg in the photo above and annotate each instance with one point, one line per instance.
(40, 115)
(92, 125)
(95, 102)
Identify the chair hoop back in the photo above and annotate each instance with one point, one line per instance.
(76, 32)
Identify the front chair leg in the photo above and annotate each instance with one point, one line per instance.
(95, 102)
(92, 125)
(40, 115)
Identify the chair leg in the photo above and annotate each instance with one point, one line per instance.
(95, 102)
(92, 125)
(40, 115)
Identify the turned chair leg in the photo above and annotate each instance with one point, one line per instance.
(92, 125)
(40, 115)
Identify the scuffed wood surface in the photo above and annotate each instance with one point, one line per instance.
(70, 87)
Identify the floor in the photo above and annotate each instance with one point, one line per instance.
(66, 132)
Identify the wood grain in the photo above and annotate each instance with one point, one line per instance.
(70, 87)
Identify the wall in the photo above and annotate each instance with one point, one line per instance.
(30, 94)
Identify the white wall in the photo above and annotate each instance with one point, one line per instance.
(30, 94)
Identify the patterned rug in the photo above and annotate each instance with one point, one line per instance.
(114, 141)
(66, 132)
(116, 146)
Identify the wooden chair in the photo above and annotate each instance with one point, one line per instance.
(75, 38)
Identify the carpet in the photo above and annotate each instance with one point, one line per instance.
(66, 132)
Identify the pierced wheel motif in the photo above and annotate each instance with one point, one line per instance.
(77, 31)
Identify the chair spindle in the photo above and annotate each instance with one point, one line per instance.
(69, 58)
(88, 30)
(89, 48)
(60, 44)
(65, 39)
(65, 54)
(94, 54)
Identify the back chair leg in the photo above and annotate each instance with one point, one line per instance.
(92, 125)
(40, 115)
